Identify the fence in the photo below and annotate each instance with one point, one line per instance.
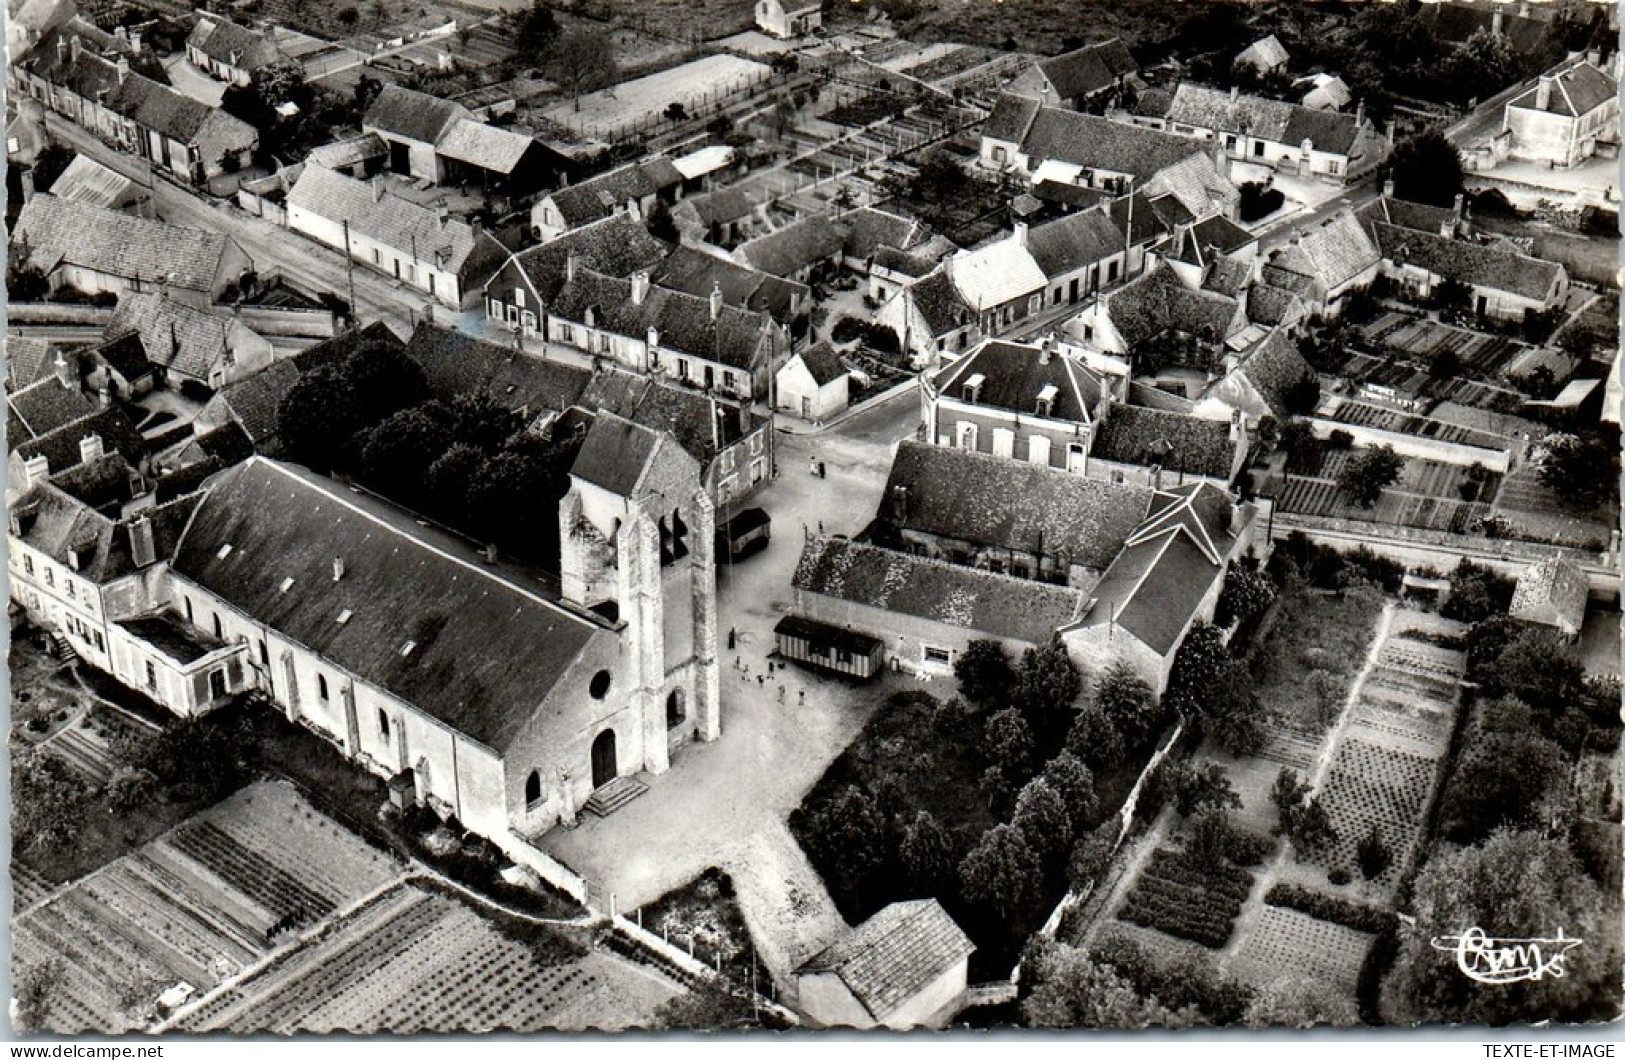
(57, 313)
(288, 321)
(552, 870)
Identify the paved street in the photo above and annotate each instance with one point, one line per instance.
(726, 803)
(273, 248)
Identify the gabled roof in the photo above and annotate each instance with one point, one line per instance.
(902, 262)
(455, 638)
(868, 230)
(44, 406)
(1146, 437)
(1415, 215)
(696, 272)
(895, 954)
(1159, 301)
(454, 363)
(1266, 119)
(1097, 143)
(597, 198)
(412, 115)
(1332, 253)
(1577, 88)
(1553, 592)
(133, 95)
(485, 146)
(822, 363)
(995, 604)
(60, 446)
(617, 454)
(1011, 117)
(125, 354)
(342, 154)
(1073, 242)
(1325, 92)
(940, 303)
(254, 402)
(1227, 276)
(702, 425)
(794, 247)
(1468, 263)
(1089, 69)
(388, 219)
(1273, 370)
(997, 273)
(995, 501)
(617, 246)
(1456, 23)
(58, 232)
(720, 206)
(89, 183)
(63, 524)
(175, 335)
(1266, 54)
(1014, 374)
(235, 45)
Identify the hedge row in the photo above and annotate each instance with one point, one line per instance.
(1330, 908)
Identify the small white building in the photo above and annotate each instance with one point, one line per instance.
(1553, 593)
(904, 967)
(788, 18)
(813, 384)
(1266, 56)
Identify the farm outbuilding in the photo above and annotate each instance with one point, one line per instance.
(829, 647)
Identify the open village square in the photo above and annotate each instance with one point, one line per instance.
(580, 515)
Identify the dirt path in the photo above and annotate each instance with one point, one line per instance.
(1253, 911)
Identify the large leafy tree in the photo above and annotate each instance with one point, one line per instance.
(984, 673)
(1368, 473)
(1002, 871)
(1300, 1003)
(1504, 779)
(1042, 818)
(1047, 686)
(1075, 783)
(397, 453)
(1071, 989)
(1580, 470)
(1008, 742)
(317, 418)
(1426, 167)
(1517, 885)
(582, 60)
(927, 854)
(1125, 697)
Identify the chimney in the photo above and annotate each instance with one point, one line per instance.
(1238, 430)
(36, 469)
(135, 41)
(1235, 95)
(142, 551)
(652, 340)
(488, 553)
(1460, 205)
(1046, 346)
(440, 215)
(338, 567)
(640, 286)
(716, 300)
(123, 68)
(377, 191)
(1359, 114)
(65, 374)
(73, 46)
(61, 49)
(1594, 57)
(1497, 21)
(899, 504)
(1388, 188)
(1021, 233)
(1543, 94)
(569, 265)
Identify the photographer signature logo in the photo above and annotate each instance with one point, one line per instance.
(1486, 959)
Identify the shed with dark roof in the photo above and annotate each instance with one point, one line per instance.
(903, 967)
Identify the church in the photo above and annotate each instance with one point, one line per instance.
(477, 687)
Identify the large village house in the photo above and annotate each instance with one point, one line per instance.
(1561, 121)
(1502, 284)
(1286, 136)
(98, 251)
(1086, 78)
(70, 71)
(631, 189)
(445, 258)
(786, 19)
(229, 52)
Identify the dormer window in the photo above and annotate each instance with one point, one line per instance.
(287, 583)
(1046, 401)
(345, 616)
(973, 388)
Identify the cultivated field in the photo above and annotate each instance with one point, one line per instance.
(1427, 495)
(700, 86)
(1288, 944)
(418, 959)
(195, 906)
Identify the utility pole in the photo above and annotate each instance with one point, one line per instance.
(349, 275)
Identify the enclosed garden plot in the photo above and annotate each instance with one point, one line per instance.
(1180, 898)
(418, 960)
(1373, 785)
(194, 907)
(1285, 943)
